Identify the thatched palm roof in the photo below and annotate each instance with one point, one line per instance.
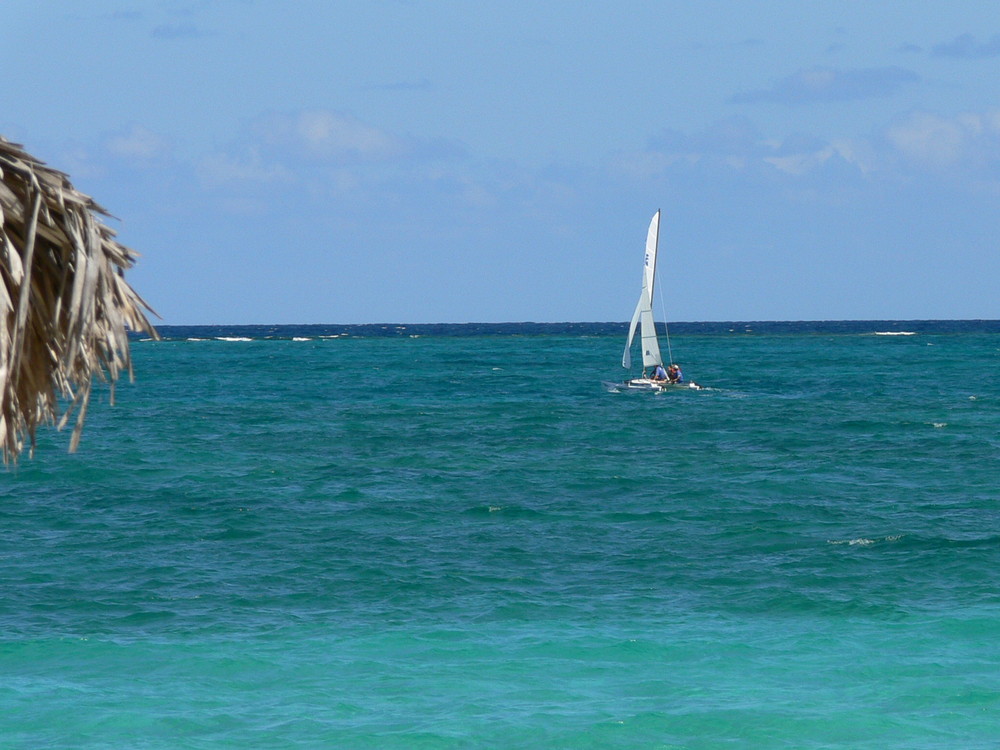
(65, 307)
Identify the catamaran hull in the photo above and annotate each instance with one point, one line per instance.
(649, 386)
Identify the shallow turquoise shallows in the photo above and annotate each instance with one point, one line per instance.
(285, 538)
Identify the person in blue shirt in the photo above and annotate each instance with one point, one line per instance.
(660, 374)
(674, 374)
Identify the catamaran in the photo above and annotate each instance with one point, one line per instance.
(643, 319)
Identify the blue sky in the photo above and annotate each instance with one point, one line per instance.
(405, 161)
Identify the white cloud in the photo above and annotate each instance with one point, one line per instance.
(968, 139)
(798, 164)
(966, 145)
(222, 169)
(329, 135)
(650, 164)
(829, 85)
(138, 144)
(859, 153)
(927, 138)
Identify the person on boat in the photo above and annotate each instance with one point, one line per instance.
(674, 374)
(660, 374)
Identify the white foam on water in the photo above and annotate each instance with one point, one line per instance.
(862, 541)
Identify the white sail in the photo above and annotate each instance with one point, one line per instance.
(643, 315)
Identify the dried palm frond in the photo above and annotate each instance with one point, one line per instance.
(65, 307)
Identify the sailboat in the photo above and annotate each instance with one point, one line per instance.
(643, 319)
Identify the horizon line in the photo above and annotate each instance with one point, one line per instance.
(600, 322)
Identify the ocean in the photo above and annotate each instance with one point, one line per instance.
(454, 536)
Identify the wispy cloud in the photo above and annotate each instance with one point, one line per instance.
(964, 147)
(321, 150)
(968, 141)
(138, 145)
(737, 146)
(333, 136)
(341, 138)
(224, 169)
(732, 136)
(827, 84)
(966, 47)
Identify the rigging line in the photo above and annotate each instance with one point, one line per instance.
(666, 329)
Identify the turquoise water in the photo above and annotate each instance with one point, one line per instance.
(464, 541)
